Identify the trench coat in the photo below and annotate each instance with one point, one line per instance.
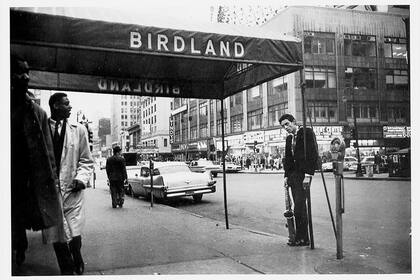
(41, 208)
(76, 163)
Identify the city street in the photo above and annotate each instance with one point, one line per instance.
(376, 221)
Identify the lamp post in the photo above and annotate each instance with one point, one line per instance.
(356, 136)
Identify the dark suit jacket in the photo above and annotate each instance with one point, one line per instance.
(115, 168)
(296, 161)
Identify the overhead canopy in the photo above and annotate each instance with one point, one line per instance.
(86, 55)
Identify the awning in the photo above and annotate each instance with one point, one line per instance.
(86, 55)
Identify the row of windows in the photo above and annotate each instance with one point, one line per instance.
(354, 45)
(153, 143)
(149, 111)
(316, 113)
(151, 120)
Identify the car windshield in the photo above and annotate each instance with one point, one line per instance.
(173, 169)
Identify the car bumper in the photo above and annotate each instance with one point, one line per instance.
(164, 192)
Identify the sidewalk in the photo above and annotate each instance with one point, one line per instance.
(346, 174)
(140, 240)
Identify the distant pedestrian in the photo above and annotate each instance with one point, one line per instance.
(272, 163)
(378, 161)
(117, 175)
(248, 163)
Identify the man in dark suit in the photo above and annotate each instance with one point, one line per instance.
(296, 165)
(117, 174)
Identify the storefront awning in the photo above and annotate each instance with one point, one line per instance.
(78, 53)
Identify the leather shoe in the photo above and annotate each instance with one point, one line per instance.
(298, 243)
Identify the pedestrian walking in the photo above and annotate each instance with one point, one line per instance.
(378, 161)
(272, 163)
(75, 167)
(296, 165)
(35, 198)
(117, 175)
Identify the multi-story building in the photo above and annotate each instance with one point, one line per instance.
(155, 115)
(355, 68)
(125, 110)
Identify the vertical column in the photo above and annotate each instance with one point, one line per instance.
(245, 110)
(264, 93)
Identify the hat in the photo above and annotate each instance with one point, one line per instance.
(116, 149)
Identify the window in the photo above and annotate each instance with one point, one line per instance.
(236, 123)
(359, 45)
(255, 119)
(320, 77)
(212, 128)
(193, 132)
(395, 47)
(275, 112)
(319, 43)
(322, 112)
(396, 79)
(184, 134)
(203, 110)
(154, 118)
(279, 84)
(154, 107)
(397, 113)
(165, 142)
(361, 78)
(253, 93)
(203, 130)
(236, 99)
(364, 112)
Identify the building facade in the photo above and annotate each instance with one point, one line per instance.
(125, 111)
(355, 69)
(155, 116)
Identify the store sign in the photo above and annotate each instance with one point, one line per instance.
(171, 130)
(235, 141)
(327, 132)
(202, 145)
(397, 131)
(169, 43)
(251, 137)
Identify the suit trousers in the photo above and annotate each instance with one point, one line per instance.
(117, 192)
(295, 181)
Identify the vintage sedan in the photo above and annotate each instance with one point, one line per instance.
(170, 179)
(231, 167)
(203, 165)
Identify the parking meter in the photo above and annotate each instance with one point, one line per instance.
(338, 150)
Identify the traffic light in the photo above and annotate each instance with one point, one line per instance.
(90, 136)
(255, 145)
(352, 133)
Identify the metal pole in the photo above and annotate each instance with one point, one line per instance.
(223, 164)
(151, 167)
(339, 217)
(356, 136)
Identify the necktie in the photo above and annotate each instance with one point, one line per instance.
(56, 135)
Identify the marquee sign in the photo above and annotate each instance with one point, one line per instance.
(171, 130)
(397, 131)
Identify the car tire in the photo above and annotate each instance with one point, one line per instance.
(214, 174)
(131, 192)
(198, 197)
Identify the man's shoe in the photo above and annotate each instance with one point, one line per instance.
(298, 243)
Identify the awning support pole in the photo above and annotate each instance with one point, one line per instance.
(223, 163)
(308, 190)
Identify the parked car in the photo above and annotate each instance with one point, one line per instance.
(350, 163)
(327, 166)
(170, 179)
(203, 165)
(367, 161)
(231, 167)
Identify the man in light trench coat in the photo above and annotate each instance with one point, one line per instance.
(75, 166)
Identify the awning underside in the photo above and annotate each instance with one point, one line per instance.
(95, 56)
